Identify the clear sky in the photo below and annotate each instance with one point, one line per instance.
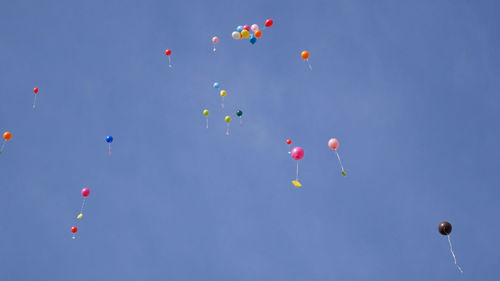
(410, 88)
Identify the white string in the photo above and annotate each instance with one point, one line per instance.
(169, 62)
(207, 122)
(338, 156)
(241, 122)
(297, 175)
(227, 130)
(77, 219)
(3, 145)
(453, 254)
(214, 48)
(310, 66)
(109, 149)
(34, 102)
(222, 105)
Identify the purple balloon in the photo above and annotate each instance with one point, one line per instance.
(297, 153)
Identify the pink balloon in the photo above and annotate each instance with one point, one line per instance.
(85, 192)
(254, 27)
(297, 153)
(246, 27)
(333, 144)
(215, 39)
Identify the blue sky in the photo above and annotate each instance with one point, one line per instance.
(409, 88)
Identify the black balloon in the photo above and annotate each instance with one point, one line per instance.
(445, 228)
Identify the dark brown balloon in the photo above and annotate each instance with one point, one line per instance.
(445, 228)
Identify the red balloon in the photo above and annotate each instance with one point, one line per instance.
(85, 192)
(74, 229)
(35, 90)
(168, 52)
(288, 141)
(269, 22)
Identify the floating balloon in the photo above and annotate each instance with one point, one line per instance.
(228, 120)
(239, 28)
(6, 137)
(216, 85)
(254, 27)
(236, 35)
(245, 33)
(297, 153)
(334, 144)
(269, 23)
(215, 39)
(85, 193)
(168, 52)
(305, 56)
(258, 33)
(253, 39)
(109, 140)
(206, 113)
(445, 229)
(35, 90)
(223, 93)
(289, 142)
(239, 113)
(246, 27)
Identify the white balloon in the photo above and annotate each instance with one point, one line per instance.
(254, 27)
(236, 35)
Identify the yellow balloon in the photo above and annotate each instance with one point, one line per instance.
(245, 33)
(206, 112)
(228, 119)
(80, 216)
(223, 93)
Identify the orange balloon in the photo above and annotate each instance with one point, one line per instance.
(7, 136)
(305, 55)
(258, 33)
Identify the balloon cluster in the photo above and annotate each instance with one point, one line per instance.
(227, 118)
(250, 32)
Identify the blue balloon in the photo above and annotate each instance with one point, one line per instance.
(239, 28)
(253, 39)
(216, 85)
(109, 139)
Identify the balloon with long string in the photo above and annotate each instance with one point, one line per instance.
(168, 53)
(74, 229)
(305, 56)
(334, 144)
(228, 120)
(297, 154)
(445, 229)
(6, 137)
(289, 142)
(239, 113)
(206, 113)
(35, 90)
(109, 140)
(215, 39)
(223, 93)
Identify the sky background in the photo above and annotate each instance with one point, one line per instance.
(410, 89)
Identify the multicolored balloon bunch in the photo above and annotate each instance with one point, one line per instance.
(245, 31)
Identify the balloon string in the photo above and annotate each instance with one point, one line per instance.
(109, 148)
(453, 254)
(297, 174)
(169, 62)
(222, 104)
(310, 66)
(34, 102)
(227, 130)
(214, 48)
(241, 122)
(77, 219)
(3, 145)
(207, 123)
(338, 156)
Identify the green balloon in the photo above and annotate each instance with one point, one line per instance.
(239, 113)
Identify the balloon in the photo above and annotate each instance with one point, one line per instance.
(333, 144)
(245, 33)
(239, 28)
(168, 52)
(74, 229)
(109, 139)
(236, 35)
(254, 27)
(239, 113)
(246, 27)
(227, 119)
(7, 136)
(258, 33)
(305, 55)
(297, 153)
(35, 90)
(253, 40)
(85, 192)
(206, 112)
(216, 85)
(269, 23)
(215, 39)
(445, 228)
(223, 93)
(288, 141)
